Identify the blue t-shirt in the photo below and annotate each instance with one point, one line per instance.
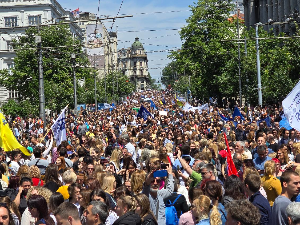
(204, 222)
(260, 164)
(297, 198)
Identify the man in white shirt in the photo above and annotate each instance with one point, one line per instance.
(15, 163)
(240, 148)
(130, 148)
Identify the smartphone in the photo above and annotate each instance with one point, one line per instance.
(164, 166)
(160, 173)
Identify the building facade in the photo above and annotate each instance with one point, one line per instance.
(100, 45)
(16, 16)
(133, 63)
(277, 10)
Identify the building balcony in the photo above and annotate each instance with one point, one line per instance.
(139, 56)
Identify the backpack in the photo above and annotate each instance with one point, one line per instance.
(171, 214)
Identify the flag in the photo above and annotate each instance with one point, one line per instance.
(237, 113)
(291, 107)
(179, 103)
(152, 105)
(143, 113)
(8, 140)
(284, 123)
(231, 170)
(267, 120)
(164, 101)
(59, 128)
(76, 13)
(223, 117)
(187, 107)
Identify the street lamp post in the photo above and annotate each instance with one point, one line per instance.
(38, 41)
(258, 65)
(73, 58)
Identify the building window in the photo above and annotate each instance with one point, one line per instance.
(142, 73)
(11, 21)
(9, 46)
(134, 64)
(10, 66)
(141, 63)
(34, 20)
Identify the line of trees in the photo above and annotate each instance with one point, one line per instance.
(209, 57)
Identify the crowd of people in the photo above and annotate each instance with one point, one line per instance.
(169, 168)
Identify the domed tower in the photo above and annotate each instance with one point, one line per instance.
(139, 65)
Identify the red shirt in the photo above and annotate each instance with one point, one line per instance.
(35, 182)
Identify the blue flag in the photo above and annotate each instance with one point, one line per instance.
(285, 123)
(267, 120)
(237, 113)
(223, 117)
(152, 105)
(164, 101)
(143, 113)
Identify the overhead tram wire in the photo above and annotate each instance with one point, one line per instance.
(117, 14)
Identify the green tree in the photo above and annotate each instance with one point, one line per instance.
(209, 56)
(170, 74)
(22, 109)
(117, 86)
(203, 54)
(57, 46)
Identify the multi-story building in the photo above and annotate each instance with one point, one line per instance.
(133, 63)
(100, 45)
(277, 10)
(16, 16)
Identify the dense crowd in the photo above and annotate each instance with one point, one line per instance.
(169, 168)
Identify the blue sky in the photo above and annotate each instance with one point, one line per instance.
(160, 22)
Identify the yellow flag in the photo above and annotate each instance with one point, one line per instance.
(7, 139)
(160, 102)
(179, 103)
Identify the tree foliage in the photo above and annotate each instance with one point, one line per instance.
(57, 46)
(209, 56)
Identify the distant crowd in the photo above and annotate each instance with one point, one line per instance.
(172, 167)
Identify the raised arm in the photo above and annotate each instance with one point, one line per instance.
(169, 186)
(184, 164)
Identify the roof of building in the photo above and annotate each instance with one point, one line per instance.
(137, 44)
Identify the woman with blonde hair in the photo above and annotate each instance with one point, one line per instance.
(126, 206)
(69, 177)
(109, 184)
(283, 157)
(100, 176)
(213, 190)
(115, 159)
(137, 180)
(143, 209)
(24, 171)
(200, 210)
(35, 175)
(270, 183)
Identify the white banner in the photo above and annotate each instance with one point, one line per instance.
(291, 107)
(59, 128)
(163, 113)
